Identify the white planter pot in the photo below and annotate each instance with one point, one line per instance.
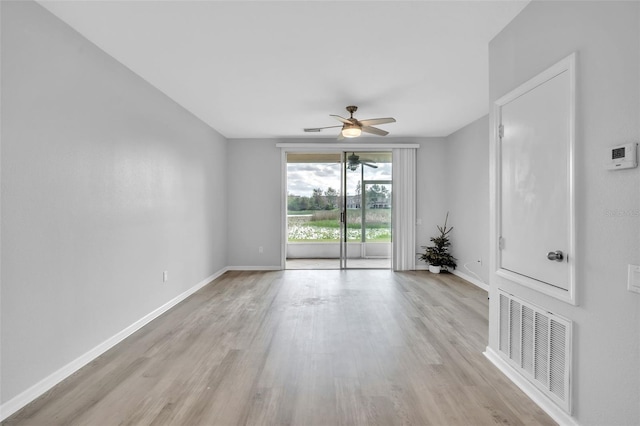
(434, 269)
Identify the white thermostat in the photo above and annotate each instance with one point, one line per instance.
(622, 157)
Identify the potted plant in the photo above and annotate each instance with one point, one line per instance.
(437, 255)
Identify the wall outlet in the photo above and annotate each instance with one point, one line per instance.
(165, 276)
(260, 249)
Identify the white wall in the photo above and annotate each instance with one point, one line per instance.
(606, 37)
(251, 227)
(255, 204)
(431, 198)
(105, 184)
(467, 158)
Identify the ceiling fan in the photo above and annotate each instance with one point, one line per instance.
(353, 160)
(352, 127)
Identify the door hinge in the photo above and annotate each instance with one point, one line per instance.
(500, 243)
(501, 131)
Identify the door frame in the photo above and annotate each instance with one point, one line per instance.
(567, 64)
(286, 147)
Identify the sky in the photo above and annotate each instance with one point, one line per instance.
(302, 178)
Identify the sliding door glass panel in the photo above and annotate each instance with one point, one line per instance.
(314, 206)
(367, 209)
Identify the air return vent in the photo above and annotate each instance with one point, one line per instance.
(537, 344)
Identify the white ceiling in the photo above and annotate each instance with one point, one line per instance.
(267, 69)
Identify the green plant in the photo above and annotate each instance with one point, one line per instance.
(438, 253)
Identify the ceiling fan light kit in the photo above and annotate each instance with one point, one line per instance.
(351, 131)
(352, 127)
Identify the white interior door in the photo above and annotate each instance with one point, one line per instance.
(535, 235)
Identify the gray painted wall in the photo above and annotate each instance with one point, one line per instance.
(105, 184)
(255, 204)
(431, 197)
(251, 227)
(606, 37)
(467, 157)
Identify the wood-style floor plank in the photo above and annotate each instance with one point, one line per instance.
(301, 347)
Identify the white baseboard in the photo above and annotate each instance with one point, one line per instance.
(555, 412)
(254, 268)
(24, 398)
(471, 279)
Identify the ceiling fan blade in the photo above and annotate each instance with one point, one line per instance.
(374, 121)
(341, 119)
(370, 165)
(374, 130)
(317, 129)
(340, 137)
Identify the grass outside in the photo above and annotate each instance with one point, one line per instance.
(324, 226)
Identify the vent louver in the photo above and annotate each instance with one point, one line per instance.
(537, 344)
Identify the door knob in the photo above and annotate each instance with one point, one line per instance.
(555, 255)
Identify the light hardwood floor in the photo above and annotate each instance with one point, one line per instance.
(356, 347)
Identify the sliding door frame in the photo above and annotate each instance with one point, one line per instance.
(335, 148)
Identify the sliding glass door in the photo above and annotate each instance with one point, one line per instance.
(338, 210)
